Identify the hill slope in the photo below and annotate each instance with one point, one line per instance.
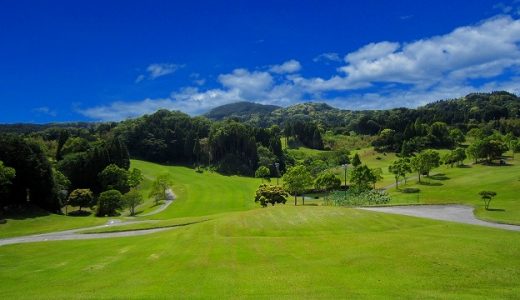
(240, 110)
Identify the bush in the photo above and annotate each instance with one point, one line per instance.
(108, 203)
(357, 198)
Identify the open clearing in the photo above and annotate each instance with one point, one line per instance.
(282, 252)
(231, 248)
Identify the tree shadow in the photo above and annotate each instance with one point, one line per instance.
(79, 213)
(439, 176)
(464, 167)
(495, 209)
(24, 212)
(430, 183)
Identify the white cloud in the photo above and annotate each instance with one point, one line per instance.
(378, 75)
(327, 57)
(478, 51)
(45, 110)
(154, 71)
(290, 66)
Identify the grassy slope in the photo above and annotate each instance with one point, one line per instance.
(461, 185)
(282, 252)
(200, 194)
(40, 222)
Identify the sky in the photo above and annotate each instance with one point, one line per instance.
(112, 60)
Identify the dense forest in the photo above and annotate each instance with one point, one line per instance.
(53, 159)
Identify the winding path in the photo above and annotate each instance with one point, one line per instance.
(454, 213)
(75, 235)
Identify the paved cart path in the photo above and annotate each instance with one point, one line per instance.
(449, 212)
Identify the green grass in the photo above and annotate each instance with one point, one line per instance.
(277, 252)
(149, 225)
(38, 221)
(461, 185)
(200, 194)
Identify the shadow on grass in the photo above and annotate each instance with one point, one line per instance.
(24, 212)
(464, 167)
(410, 190)
(427, 183)
(495, 209)
(79, 213)
(439, 176)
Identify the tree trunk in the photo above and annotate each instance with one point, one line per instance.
(419, 175)
(295, 199)
(303, 199)
(397, 183)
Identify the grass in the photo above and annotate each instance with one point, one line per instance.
(461, 185)
(197, 195)
(200, 194)
(148, 225)
(38, 221)
(221, 245)
(277, 252)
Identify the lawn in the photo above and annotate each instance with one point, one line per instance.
(39, 221)
(461, 185)
(200, 194)
(276, 252)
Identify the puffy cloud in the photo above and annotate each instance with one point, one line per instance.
(477, 51)
(481, 57)
(154, 71)
(290, 66)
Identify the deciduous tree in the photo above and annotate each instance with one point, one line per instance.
(296, 180)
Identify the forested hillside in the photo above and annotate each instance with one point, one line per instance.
(49, 159)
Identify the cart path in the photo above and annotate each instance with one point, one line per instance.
(74, 234)
(449, 212)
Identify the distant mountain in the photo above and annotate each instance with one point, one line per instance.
(240, 110)
(472, 108)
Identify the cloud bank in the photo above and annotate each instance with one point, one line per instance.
(383, 74)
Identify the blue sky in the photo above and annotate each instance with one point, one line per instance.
(110, 60)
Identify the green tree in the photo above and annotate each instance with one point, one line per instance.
(270, 194)
(132, 199)
(486, 196)
(515, 147)
(81, 198)
(327, 181)
(424, 162)
(266, 158)
(296, 180)
(159, 188)
(135, 177)
(7, 174)
(61, 185)
(114, 178)
(356, 161)
(457, 136)
(362, 178)
(108, 203)
(400, 168)
(74, 145)
(263, 173)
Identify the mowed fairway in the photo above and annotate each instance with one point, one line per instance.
(200, 194)
(277, 252)
(231, 248)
